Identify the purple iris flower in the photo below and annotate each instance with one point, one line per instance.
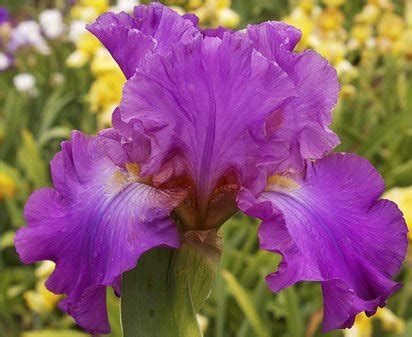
(211, 123)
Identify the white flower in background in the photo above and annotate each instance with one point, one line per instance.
(57, 79)
(25, 83)
(28, 33)
(51, 22)
(125, 5)
(5, 61)
(77, 28)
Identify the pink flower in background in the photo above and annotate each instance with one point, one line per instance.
(28, 34)
(4, 15)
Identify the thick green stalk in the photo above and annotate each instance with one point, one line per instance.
(161, 296)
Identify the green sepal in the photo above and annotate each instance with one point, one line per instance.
(163, 294)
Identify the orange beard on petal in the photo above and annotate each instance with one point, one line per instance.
(221, 205)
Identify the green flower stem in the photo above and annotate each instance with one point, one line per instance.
(161, 296)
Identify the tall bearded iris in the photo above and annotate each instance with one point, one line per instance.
(212, 122)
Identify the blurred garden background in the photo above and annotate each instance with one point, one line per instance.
(55, 77)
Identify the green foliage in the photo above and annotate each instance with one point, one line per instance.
(54, 333)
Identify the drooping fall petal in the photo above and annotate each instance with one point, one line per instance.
(94, 224)
(331, 227)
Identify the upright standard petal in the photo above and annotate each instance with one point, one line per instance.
(94, 225)
(152, 28)
(305, 119)
(128, 45)
(272, 36)
(331, 227)
(216, 32)
(207, 101)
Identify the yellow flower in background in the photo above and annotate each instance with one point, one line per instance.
(384, 4)
(86, 47)
(390, 322)
(361, 33)
(403, 46)
(88, 44)
(376, 31)
(88, 10)
(84, 12)
(178, 9)
(106, 91)
(369, 15)
(77, 59)
(322, 30)
(403, 198)
(216, 13)
(227, 17)
(391, 26)
(334, 3)
(390, 29)
(105, 94)
(408, 13)
(100, 6)
(192, 4)
(210, 12)
(7, 186)
(363, 326)
(41, 300)
(103, 62)
(333, 50)
(307, 5)
(331, 18)
(347, 91)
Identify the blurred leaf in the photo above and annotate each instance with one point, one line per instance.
(246, 304)
(7, 240)
(401, 174)
(31, 161)
(295, 323)
(58, 132)
(14, 120)
(113, 309)
(408, 329)
(54, 105)
(384, 133)
(55, 333)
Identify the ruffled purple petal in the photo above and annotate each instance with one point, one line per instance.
(152, 28)
(305, 119)
(332, 228)
(216, 32)
(192, 17)
(94, 224)
(272, 36)
(208, 101)
(210, 32)
(164, 25)
(123, 40)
